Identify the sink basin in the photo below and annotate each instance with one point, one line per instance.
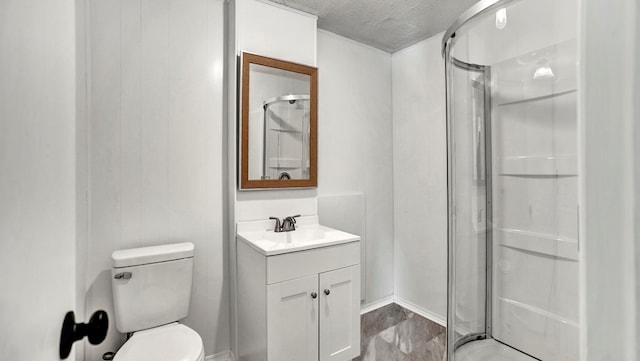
(303, 234)
(307, 235)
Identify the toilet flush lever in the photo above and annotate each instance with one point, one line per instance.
(122, 276)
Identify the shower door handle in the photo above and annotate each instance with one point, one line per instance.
(479, 173)
(478, 117)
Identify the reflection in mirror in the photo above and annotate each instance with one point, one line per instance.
(278, 124)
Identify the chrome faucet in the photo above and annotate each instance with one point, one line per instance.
(288, 224)
(278, 227)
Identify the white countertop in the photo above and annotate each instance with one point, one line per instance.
(308, 235)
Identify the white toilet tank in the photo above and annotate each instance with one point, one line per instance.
(151, 285)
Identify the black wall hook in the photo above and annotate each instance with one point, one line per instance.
(95, 330)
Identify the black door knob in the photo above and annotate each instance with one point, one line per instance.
(95, 330)
(327, 291)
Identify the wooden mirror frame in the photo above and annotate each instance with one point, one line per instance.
(312, 181)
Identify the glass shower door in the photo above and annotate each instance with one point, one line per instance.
(468, 191)
(512, 95)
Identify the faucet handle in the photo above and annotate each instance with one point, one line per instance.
(289, 223)
(278, 226)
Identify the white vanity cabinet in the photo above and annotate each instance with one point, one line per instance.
(292, 320)
(339, 314)
(299, 306)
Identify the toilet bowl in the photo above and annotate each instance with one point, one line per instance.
(173, 342)
(151, 293)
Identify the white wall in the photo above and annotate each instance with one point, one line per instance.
(609, 119)
(268, 29)
(82, 168)
(419, 178)
(275, 31)
(355, 145)
(37, 176)
(155, 148)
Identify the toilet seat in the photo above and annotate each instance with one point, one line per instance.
(172, 342)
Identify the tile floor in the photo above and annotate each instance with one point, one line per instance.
(393, 333)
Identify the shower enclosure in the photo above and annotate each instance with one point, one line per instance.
(511, 71)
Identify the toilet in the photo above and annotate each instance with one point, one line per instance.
(151, 293)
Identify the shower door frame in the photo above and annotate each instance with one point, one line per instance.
(485, 127)
(478, 9)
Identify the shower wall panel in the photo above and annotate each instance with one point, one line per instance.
(534, 157)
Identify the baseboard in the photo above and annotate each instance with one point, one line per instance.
(368, 307)
(221, 356)
(421, 311)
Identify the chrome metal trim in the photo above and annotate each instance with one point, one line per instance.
(123, 276)
(291, 97)
(467, 66)
(450, 63)
(451, 235)
(488, 171)
(470, 338)
(479, 8)
(265, 129)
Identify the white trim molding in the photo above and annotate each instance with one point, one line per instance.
(366, 308)
(221, 356)
(442, 321)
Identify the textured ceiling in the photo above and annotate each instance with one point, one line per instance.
(388, 25)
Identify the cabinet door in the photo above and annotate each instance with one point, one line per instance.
(340, 314)
(292, 320)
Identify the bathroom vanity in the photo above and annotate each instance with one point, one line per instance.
(298, 293)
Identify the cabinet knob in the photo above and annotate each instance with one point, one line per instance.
(314, 295)
(327, 291)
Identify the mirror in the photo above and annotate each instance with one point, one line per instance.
(279, 122)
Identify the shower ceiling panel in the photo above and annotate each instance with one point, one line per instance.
(388, 25)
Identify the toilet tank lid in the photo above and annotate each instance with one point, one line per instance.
(153, 254)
